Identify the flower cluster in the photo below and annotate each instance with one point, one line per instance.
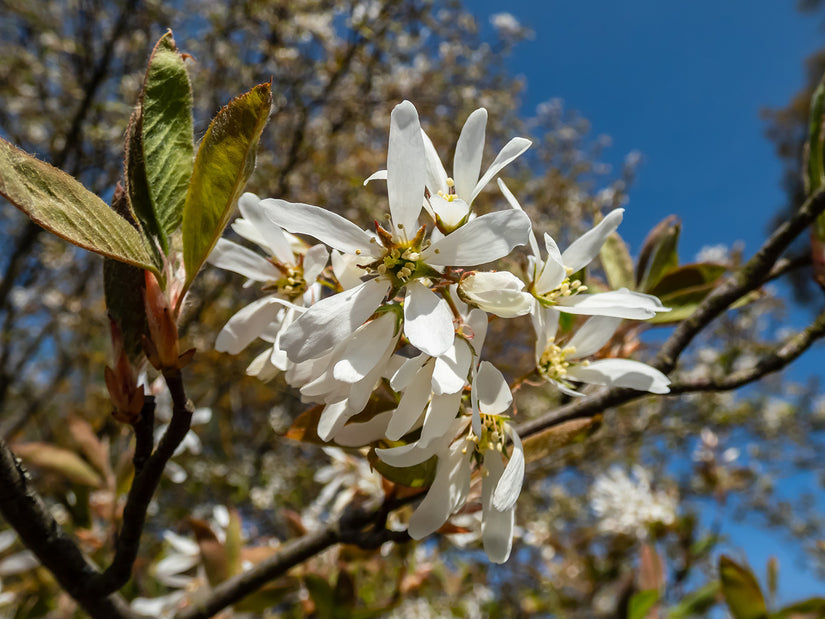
(393, 356)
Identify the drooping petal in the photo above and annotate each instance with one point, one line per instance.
(468, 152)
(435, 172)
(494, 396)
(552, 272)
(511, 150)
(333, 417)
(592, 335)
(246, 325)
(496, 526)
(499, 293)
(481, 240)
(621, 303)
(451, 368)
(405, 374)
(376, 176)
(314, 262)
(587, 246)
(621, 373)
(412, 403)
(232, 257)
(275, 241)
(330, 320)
(428, 320)
(509, 485)
(440, 415)
(405, 169)
(476, 329)
(365, 348)
(360, 434)
(514, 204)
(320, 224)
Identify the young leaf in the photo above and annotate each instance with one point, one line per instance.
(63, 206)
(418, 476)
(62, 462)
(225, 160)
(696, 603)
(812, 608)
(137, 185)
(814, 162)
(641, 603)
(658, 255)
(617, 263)
(741, 591)
(166, 132)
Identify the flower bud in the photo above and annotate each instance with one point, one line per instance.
(127, 397)
(499, 293)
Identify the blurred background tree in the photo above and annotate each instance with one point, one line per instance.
(649, 512)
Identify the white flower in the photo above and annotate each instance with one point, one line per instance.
(560, 363)
(500, 293)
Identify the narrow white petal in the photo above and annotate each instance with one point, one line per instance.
(246, 325)
(468, 152)
(620, 303)
(552, 272)
(452, 471)
(321, 224)
(514, 204)
(274, 237)
(592, 335)
(494, 396)
(331, 320)
(452, 368)
(481, 240)
(546, 324)
(509, 485)
(176, 564)
(428, 320)
(449, 212)
(496, 526)
(439, 418)
(232, 257)
(332, 419)
(360, 434)
(346, 270)
(407, 372)
(436, 174)
(409, 455)
(621, 373)
(511, 150)
(405, 169)
(314, 262)
(365, 348)
(475, 328)
(412, 403)
(587, 246)
(376, 176)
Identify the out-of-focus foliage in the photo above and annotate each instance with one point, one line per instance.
(596, 534)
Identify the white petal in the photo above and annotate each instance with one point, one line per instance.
(405, 169)
(514, 204)
(481, 240)
(18, 563)
(511, 150)
(232, 257)
(496, 526)
(175, 564)
(436, 507)
(333, 418)
(620, 373)
(451, 368)
(592, 335)
(412, 404)
(346, 270)
(620, 303)
(552, 271)
(181, 544)
(476, 323)
(450, 212)
(509, 485)
(274, 238)
(314, 262)
(494, 396)
(436, 174)
(440, 416)
(546, 324)
(321, 224)
(331, 320)
(587, 246)
(498, 293)
(247, 325)
(376, 176)
(360, 434)
(365, 348)
(404, 375)
(428, 320)
(468, 152)
(7, 538)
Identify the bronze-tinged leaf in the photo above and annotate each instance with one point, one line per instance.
(213, 553)
(689, 276)
(552, 439)
(58, 461)
(418, 476)
(225, 160)
(651, 569)
(617, 263)
(95, 450)
(63, 206)
(305, 426)
(659, 253)
(741, 590)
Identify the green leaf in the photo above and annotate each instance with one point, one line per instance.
(814, 162)
(137, 187)
(659, 253)
(234, 543)
(225, 160)
(689, 276)
(741, 590)
(322, 595)
(812, 608)
(641, 603)
(62, 462)
(63, 206)
(696, 603)
(617, 263)
(418, 476)
(166, 132)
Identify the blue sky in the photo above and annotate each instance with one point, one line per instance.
(683, 83)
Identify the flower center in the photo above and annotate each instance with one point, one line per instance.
(292, 285)
(567, 288)
(398, 262)
(553, 364)
(450, 195)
